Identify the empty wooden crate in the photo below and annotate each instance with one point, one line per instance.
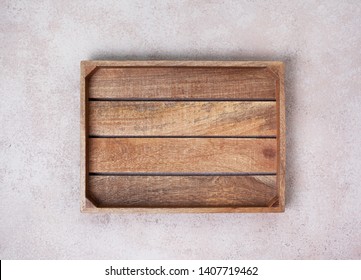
(182, 136)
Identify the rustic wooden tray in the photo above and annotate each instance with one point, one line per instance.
(182, 136)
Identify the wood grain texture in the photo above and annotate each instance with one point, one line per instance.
(281, 133)
(182, 83)
(193, 155)
(142, 118)
(179, 63)
(83, 135)
(91, 208)
(182, 191)
(228, 82)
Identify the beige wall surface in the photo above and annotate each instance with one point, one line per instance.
(41, 45)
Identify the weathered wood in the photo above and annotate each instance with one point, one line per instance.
(142, 118)
(281, 133)
(182, 155)
(180, 63)
(182, 83)
(182, 191)
(169, 210)
(180, 134)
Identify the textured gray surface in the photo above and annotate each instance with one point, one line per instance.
(41, 45)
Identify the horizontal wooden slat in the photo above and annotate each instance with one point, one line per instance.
(138, 118)
(182, 191)
(179, 63)
(182, 83)
(195, 155)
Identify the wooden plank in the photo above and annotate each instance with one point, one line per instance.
(182, 191)
(186, 155)
(141, 118)
(182, 83)
(169, 210)
(83, 135)
(281, 133)
(179, 63)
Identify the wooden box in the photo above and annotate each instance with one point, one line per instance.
(182, 136)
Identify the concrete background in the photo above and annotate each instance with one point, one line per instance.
(41, 45)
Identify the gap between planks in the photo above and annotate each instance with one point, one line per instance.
(171, 136)
(181, 174)
(183, 99)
